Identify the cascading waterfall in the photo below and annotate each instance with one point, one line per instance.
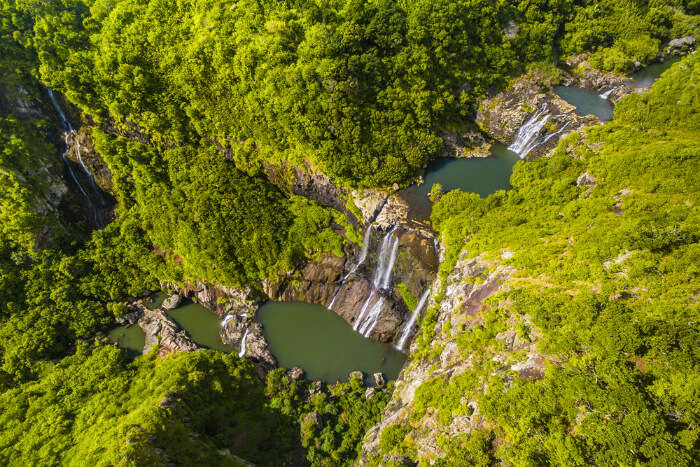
(360, 261)
(409, 327)
(559, 131)
(241, 354)
(526, 139)
(607, 93)
(70, 131)
(369, 316)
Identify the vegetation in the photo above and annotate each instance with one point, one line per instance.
(606, 283)
(191, 102)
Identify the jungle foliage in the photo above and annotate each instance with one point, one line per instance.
(606, 284)
(362, 90)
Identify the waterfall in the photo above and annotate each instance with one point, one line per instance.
(70, 131)
(386, 253)
(551, 135)
(409, 327)
(361, 316)
(372, 317)
(226, 320)
(241, 354)
(360, 260)
(386, 280)
(607, 93)
(526, 139)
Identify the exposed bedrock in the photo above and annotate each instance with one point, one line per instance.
(160, 329)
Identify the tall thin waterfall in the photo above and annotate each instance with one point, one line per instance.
(241, 354)
(70, 131)
(526, 139)
(369, 315)
(409, 327)
(361, 259)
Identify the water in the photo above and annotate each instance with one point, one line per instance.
(97, 217)
(319, 341)
(526, 139)
(414, 316)
(646, 76)
(483, 176)
(129, 338)
(201, 325)
(586, 102)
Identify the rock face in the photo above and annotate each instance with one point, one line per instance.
(315, 283)
(240, 326)
(460, 307)
(172, 302)
(218, 298)
(159, 329)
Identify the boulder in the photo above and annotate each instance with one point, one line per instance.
(585, 179)
(172, 302)
(357, 374)
(160, 329)
(369, 393)
(379, 379)
(131, 317)
(312, 418)
(295, 374)
(256, 347)
(681, 43)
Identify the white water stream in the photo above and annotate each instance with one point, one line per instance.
(526, 139)
(241, 354)
(360, 261)
(409, 327)
(67, 134)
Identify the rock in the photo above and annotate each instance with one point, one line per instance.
(511, 30)
(369, 202)
(395, 186)
(461, 305)
(681, 43)
(394, 211)
(316, 283)
(585, 179)
(172, 302)
(131, 317)
(357, 374)
(312, 418)
(295, 374)
(379, 379)
(257, 348)
(315, 388)
(218, 298)
(369, 393)
(160, 329)
(467, 143)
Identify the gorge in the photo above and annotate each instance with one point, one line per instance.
(349, 233)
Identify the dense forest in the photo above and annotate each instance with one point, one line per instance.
(188, 102)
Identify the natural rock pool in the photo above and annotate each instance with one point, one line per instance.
(476, 175)
(129, 338)
(586, 102)
(647, 75)
(325, 346)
